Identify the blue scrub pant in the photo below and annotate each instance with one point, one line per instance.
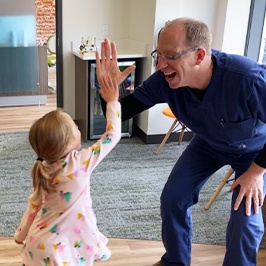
(194, 167)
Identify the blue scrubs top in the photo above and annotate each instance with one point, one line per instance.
(231, 116)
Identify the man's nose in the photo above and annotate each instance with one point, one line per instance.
(161, 63)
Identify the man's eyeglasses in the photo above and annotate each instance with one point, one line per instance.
(156, 55)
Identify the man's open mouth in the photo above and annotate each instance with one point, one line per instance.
(170, 75)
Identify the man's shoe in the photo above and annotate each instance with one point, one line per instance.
(158, 264)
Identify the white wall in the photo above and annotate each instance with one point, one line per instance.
(204, 10)
(235, 26)
(225, 24)
(142, 17)
(142, 29)
(83, 18)
(140, 20)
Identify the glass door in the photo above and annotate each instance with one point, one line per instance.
(19, 69)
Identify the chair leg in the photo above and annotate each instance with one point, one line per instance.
(181, 134)
(166, 137)
(219, 188)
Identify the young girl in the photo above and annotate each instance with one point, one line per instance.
(59, 225)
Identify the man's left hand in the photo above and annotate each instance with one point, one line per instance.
(251, 187)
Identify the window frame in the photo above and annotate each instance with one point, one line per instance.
(255, 29)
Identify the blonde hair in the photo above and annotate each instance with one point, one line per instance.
(197, 32)
(49, 137)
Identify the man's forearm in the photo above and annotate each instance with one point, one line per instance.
(130, 107)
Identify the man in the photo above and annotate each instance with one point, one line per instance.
(222, 99)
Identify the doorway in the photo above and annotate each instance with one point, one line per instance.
(56, 72)
(45, 17)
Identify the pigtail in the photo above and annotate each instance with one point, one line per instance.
(43, 175)
(41, 179)
(49, 137)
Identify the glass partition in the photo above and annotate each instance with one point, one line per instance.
(17, 30)
(17, 23)
(20, 65)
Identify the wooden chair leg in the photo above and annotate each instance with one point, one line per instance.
(181, 134)
(166, 137)
(219, 188)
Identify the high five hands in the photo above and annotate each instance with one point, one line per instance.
(107, 67)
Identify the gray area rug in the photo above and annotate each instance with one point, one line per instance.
(125, 188)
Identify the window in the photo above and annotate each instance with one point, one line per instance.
(256, 36)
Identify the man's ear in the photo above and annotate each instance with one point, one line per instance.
(201, 53)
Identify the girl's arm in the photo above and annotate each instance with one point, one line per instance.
(27, 219)
(93, 155)
(110, 93)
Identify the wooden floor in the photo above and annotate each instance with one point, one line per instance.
(129, 252)
(20, 118)
(125, 252)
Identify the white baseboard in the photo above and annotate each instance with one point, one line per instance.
(23, 100)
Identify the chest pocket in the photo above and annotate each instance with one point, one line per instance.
(238, 131)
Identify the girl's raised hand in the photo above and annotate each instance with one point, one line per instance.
(108, 88)
(107, 64)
